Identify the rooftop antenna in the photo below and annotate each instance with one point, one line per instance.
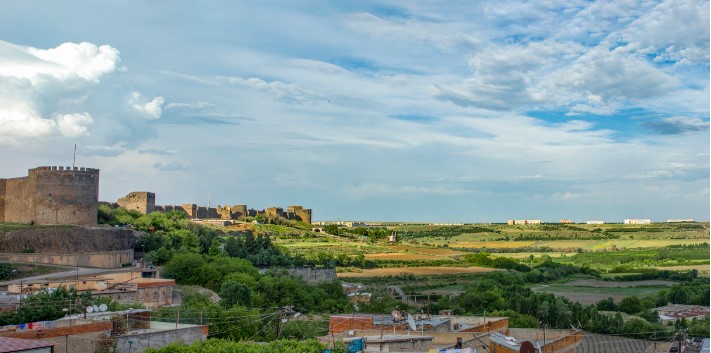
(75, 156)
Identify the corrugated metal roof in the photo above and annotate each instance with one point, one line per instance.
(8, 344)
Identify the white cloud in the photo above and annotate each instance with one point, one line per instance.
(675, 30)
(85, 60)
(170, 166)
(73, 124)
(38, 87)
(151, 109)
(441, 35)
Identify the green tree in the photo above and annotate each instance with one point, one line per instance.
(159, 256)
(606, 305)
(332, 229)
(699, 328)
(186, 268)
(636, 326)
(650, 315)
(630, 305)
(234, 293)
(5, 271)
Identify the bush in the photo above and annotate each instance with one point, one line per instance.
(5, 272)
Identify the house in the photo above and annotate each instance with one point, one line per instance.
(8, 345)
(124, 286)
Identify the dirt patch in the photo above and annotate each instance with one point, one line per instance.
(616, 284)
(417, 271)
(700, 268)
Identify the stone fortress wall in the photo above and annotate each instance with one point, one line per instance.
(144, 202)
(102, 247)
(51, 195)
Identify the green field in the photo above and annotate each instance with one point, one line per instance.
(605, 247)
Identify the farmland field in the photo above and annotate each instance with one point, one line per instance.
(595, 293)
(621, 284)
(427, 250)
(624, 247)
(399, 256)
(417, 271)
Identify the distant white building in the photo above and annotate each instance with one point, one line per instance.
(523, 221)
(638, 221)
(595, 222)
(679, 220)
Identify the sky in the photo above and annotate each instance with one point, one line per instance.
(423, 111)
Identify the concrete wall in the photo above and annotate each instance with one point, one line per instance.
(151, 297)
(52, 195)
(159, 338)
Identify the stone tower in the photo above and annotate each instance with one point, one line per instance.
(141, 201)
(51, 195)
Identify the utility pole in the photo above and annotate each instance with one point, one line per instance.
(20, 296)
(545, 349)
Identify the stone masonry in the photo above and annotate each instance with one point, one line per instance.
(145, 202)
(51, 195)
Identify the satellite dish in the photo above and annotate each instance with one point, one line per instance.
(527, 347)
(96, 308)
(89, 309)
(411, 321)
(103, 307)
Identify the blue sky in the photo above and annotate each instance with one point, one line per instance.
(453, 111)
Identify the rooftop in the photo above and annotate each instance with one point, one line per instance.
(8, 344)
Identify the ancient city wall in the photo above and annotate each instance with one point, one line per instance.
(51, 195)
(66, 239)
(104, 259)
(144, 202)
(101, 247)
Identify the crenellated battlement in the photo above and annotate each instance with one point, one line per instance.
(51, 195)
(65, 169)
(145, 202)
